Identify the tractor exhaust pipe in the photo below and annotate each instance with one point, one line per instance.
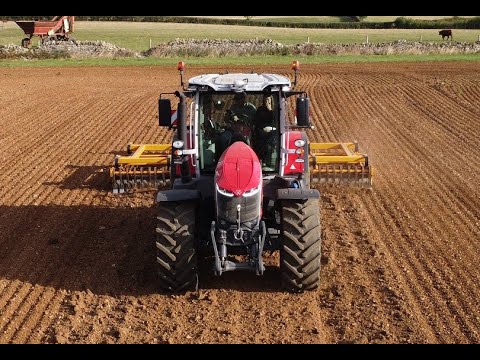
(182, 135)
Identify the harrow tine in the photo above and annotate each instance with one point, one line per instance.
(339, 164)
(145, 168)
(356, 175)
(129, 178)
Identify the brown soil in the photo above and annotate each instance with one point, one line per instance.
(400, 263)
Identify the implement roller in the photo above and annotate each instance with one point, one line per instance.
(339, 163)
(330, 163)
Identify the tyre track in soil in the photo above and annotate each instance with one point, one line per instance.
(435, 152)
(17, 296)
(55, 155)
(458, 192)
(77, 146)
(38, 272)
(468, 97)
(355, 245)
(241, 322)
(436, 108)
(352, 246)
(47, 132)
(121, 305)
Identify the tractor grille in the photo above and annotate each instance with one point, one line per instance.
(250, 208)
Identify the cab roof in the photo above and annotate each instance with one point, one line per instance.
(239, 82)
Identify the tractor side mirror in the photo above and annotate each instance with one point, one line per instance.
(303, 112)
(165, 112)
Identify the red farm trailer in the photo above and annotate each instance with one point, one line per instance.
(57, 29)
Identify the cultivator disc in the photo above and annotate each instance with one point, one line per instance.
(339, 163)
(146, 168)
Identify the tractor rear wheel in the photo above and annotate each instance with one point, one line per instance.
(176, 255)
(300, 254)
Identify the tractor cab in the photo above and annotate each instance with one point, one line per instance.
(252, 118)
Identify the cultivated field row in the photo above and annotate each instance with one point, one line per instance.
(399, 263)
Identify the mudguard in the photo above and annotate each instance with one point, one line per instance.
(297, 194)
(178, 195)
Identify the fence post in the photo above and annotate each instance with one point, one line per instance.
(308, 40)
(421, 38)
(150, 44)
(367, 39)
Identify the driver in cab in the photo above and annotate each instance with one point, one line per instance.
(241, 110)
(239, 119)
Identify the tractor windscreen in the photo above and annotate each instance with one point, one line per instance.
(226, 118)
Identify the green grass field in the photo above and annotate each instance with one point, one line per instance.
(137, 36)
(250, 60)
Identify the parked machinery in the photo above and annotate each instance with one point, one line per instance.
(59, 28)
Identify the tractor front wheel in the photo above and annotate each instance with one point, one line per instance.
(300, 254)
(176, 256)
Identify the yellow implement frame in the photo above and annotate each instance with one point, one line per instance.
(146, 167)
(339, 163)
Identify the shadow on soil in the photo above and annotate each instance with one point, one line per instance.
(108, 251)
(85, 177)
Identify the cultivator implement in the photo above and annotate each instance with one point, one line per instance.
(147, 167)
(339, 163)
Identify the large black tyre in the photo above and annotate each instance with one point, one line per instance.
(176, 256)
(300, 254)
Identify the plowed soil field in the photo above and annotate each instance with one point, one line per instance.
(400, 263)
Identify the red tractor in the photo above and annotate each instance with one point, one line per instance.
(240, 169)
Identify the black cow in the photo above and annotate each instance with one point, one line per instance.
(446, 34)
